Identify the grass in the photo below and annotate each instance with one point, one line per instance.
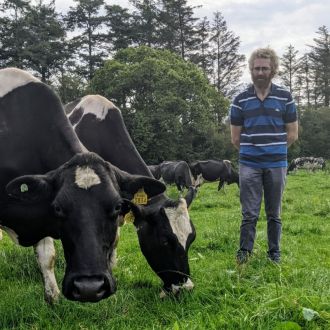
(258, 295)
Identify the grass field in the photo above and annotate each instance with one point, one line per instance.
(259, 295)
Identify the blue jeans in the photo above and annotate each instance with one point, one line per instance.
(254, 183)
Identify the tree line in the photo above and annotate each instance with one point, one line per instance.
(172, 74)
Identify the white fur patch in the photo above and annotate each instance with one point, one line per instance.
(11, 233)
(86, 177)
(179, 221)
(95, 104)
(188, 286)
(11, 78)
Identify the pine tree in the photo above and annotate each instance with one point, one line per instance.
(89, 44)
(228, 62)
(320, 63)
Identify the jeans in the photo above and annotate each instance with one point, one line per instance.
(254, 183)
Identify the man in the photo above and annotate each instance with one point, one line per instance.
(263, 125)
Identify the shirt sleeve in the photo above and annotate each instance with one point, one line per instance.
(290, 115)
(236, 116)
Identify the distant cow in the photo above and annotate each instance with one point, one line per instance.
(213, 170)
(155, 171)
(176, 172)
(308, 163)
(163, 225)
(50, 185)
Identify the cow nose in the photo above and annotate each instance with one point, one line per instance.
(91, 288)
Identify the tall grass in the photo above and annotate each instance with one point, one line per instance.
(258, 295)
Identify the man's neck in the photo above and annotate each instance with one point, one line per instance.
(262, 92)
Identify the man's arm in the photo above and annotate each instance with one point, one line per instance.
(235, 135)
(292, 132)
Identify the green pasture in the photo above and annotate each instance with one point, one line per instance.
(258, 295)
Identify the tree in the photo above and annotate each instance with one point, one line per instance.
(315, 133)
(89, 43)
(145, 22)
(13, 32)
(45, 48)
(120, 24)
(228, 62)
(320, 62)
(162, 98)
(178, 31)
(289, 68)
(203, 57)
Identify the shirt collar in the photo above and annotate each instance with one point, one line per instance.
(251, 90)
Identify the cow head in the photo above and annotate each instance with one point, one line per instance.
(165, 234)
(80, 203)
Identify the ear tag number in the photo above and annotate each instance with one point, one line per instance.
(140, 197)
(24, 188)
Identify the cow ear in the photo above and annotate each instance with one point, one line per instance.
(132, 183)
(137, 210)
(30, 188)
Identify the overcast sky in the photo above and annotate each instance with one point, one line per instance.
(274, 23)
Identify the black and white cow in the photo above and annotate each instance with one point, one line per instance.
(50, 185)
(178, 173)
(163, 226)
(307, 163)
(213, 170)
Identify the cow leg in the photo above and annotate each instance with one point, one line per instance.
(0, 234)
(221, 184)
(45, 253)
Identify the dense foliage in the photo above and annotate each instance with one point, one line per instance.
(169, 107)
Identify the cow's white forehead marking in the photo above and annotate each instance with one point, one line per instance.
(11, 233)
(179, 221)
(95, 104)
(86, 177)
(11, 78)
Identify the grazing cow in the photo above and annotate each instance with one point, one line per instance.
(178, 173)
(155, 171)
(213, 170)
(163, 226)
(50, 185)
(308, 163)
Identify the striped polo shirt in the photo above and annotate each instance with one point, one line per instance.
(263, 140)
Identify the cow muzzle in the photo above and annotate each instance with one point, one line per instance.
(176, 289)
(89, 288)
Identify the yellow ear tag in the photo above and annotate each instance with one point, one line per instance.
(140, 197)
(24, 187)
(129, 217)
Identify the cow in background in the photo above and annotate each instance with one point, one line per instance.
(213, 170)
(155, 171)
(307, 163)
(178, 173)
(50, 185)
(163, 225)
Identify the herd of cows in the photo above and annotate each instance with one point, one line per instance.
(73, 173)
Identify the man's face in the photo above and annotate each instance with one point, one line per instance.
(261, 72)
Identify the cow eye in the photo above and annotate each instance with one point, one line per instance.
(58, 210)
(115, 210)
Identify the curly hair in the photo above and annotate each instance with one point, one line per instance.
(265, 53)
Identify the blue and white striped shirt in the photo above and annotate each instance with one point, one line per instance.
(263, 140)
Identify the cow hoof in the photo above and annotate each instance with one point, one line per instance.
(52, 298)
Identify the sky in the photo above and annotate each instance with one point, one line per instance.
(274, 23)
